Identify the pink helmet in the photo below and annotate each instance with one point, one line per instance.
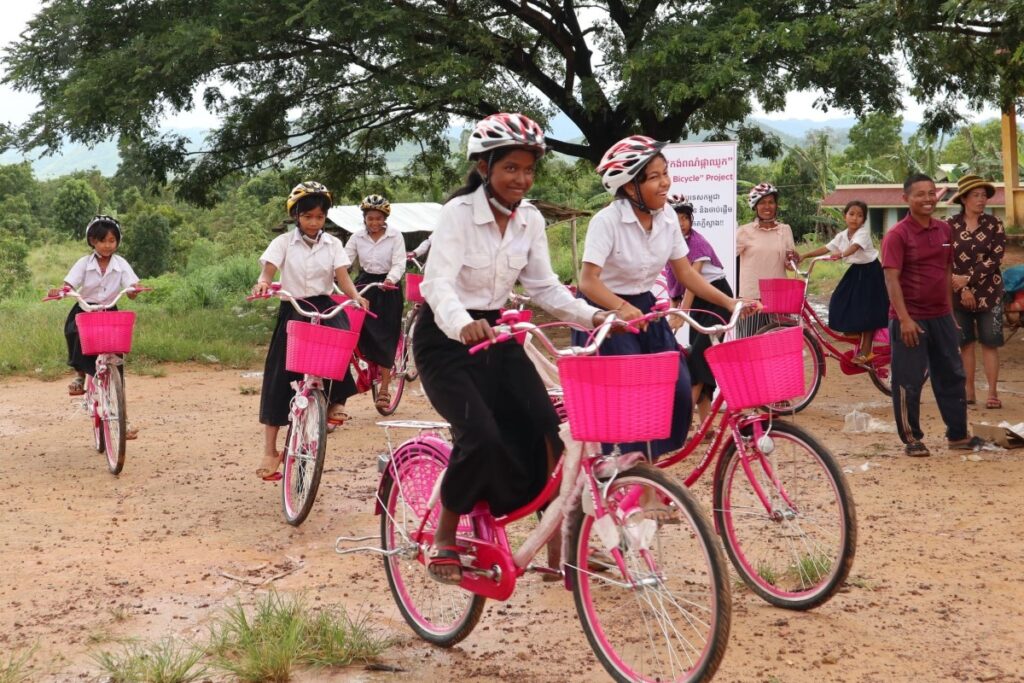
(760, 191)
(625, 158)
(506, 130)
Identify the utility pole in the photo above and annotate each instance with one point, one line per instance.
(1011, 174)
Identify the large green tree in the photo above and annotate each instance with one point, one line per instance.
(331, 85)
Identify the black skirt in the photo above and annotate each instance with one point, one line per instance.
(500, 416)
(709, 314)
(657, 338)
(76, 359)
(277, 392)
(379, 337)
(860, 302)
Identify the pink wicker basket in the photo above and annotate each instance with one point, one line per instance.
(619, 398)
(318, 349)
(105, 331)
(759, 370)
(412, 287)
(781, 295)
(355, 315)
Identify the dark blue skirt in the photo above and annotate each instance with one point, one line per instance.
(657, 338)
(860, 302)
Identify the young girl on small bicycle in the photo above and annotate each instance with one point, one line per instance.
(504, 428)
(704, 260)
(310, 260)
(98, 277)
(626, 248)
(859, 302)
(380, 251)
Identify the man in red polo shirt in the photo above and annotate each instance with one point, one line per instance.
(917, 255)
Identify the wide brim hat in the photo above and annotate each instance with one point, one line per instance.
(971, 182)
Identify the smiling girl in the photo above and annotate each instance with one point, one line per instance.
(628, 243)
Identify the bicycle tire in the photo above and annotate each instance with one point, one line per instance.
(409, 362)
(112, 409)
(881, 377)
(440, 614)
(304, 454)
(92, 401)
(790, 556)
(397, 381)
(812, 373)
(698, 601)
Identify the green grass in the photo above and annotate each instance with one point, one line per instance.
(13, 668)
(811, 568)
(281, 633)
(166, 661)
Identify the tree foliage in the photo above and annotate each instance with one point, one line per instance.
(74, 204)
(331, 86)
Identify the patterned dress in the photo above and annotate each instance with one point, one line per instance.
(978, 255)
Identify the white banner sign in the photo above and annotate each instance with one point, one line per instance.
(705, 173)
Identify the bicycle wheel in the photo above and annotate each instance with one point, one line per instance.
(881, 377)
(397, 381)
(92, 404)
(304, 453)
(669, 619)
(111, 408)
(814, 362)
(440, 614)
(797, 554)
(409, 363)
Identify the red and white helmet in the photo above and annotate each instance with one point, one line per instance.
(760, 191)
(623, 160)
(506, 130)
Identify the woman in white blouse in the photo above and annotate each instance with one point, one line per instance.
(309, 260)
(380, 251)
(504, 427)
(628, 243)
(860, 302)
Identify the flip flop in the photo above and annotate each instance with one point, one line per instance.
(863, 358)
(383, 399)
(268, 469)
(993, 403)
(974, 443)
(336, 416)
(76, 387)
(445, 556)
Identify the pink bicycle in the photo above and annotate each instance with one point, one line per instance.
(788, 298)
(780, 501)
(317, 351)
(107, 335)
(648, 579)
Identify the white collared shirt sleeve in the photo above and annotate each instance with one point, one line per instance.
(128, 276)
(397, 257)
(443, 268)
(599, 241)
(420, 251)
(351, 251)
(542, 284)
(76, 276)
(276, 250)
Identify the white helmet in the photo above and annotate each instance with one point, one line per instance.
(506, 130)
(760, 191)
(625, 158)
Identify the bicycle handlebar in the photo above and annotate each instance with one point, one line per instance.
(68, 290)
(807, 274)
(276, 291)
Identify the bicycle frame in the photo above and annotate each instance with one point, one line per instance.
(822, 333)
(494, 567)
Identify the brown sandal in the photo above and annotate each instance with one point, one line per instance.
(76, 387)
(336, 417)
(383, 399)
(268, 469)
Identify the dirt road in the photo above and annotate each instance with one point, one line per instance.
(85, 557)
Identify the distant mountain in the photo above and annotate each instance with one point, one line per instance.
(104, 156)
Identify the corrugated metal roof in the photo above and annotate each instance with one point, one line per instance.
(891, 196)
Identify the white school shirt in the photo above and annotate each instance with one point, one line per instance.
(421, 251)
(867, 252)
(386, 255)
(631, 258)
(306, 271)
(98, 287)
(472, 266)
